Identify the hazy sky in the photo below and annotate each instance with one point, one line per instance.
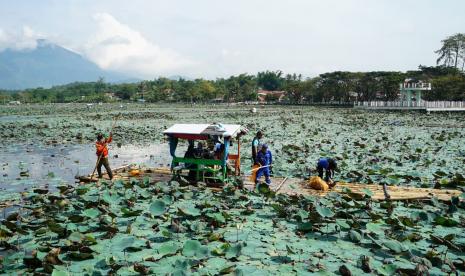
(214, 38)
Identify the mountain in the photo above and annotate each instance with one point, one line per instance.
(48, 65)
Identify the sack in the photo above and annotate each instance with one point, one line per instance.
(134, 172)
(316, 183)
(254, 172)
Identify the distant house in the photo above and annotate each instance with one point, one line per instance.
(217, 100)
(266, 96)
(380, 95)
(353, 96)
(112, 96)
(168, 94)
(14, 103)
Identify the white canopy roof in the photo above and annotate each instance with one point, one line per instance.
(203, 129)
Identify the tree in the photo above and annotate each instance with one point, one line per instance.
(389, 84)
(336, 86)
(452, 51)
(309, 89)
(367, 86)
(126, 91)
(270, 80)
(241, 88)
(294, 88)
(100, 85)
(451, 88)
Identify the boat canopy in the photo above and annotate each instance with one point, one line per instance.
(202, 131)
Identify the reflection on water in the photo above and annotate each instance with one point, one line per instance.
(27, 166)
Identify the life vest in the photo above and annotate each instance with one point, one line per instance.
(101, 147)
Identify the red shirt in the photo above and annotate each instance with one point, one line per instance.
(101, 147)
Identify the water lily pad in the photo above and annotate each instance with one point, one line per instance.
(394, 246)
(193, 248)
(91, 213)
(324, 211)
(122, 242)
(168, 248)
(57, 272)
(158, 208)
(355, 236)
(234, 251)
(190, 248)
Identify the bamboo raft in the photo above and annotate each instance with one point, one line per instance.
(298, 187)
(294, 186)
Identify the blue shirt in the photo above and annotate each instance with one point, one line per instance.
(265, 159)
(255, 142)
(323, 163)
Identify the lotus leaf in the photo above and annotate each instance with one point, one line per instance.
(57, 272)
(158, 208)
(91, 213)
(394, 246)
(190, 248)
(168, 248)
(324, 211)
(355, 236)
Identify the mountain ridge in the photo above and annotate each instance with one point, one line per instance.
(49, 65)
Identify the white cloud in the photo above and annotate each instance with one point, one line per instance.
(26, 39)
(115, 46)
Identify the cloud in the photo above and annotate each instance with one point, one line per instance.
(115, 46)
(26, 39)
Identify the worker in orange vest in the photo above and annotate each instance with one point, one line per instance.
(102, 154)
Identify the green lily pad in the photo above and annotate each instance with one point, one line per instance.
(91, 213)
(324, 211)
(394, 246)
(167, 249)
(158, 208)
(190, 248)
(57, 272)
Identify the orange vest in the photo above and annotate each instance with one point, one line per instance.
(101, 147)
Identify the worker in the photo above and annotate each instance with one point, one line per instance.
(190, 153)
(327, 166)
(256, 146)
(265, 160)
(102, 154)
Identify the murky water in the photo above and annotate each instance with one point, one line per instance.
(26, 166)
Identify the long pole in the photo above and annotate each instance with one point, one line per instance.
(280, 184)
(101, 154)
(256, 169)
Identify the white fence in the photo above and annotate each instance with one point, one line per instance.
(381, 104)
(444, 104)
(412, 104)
(416, 86)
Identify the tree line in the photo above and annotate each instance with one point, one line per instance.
(447, 78)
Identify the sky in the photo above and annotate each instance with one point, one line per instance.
(216, 38)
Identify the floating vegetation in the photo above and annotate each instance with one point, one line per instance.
(408, 148)
(140, 227)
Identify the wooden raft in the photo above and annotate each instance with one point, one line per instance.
(294, 186)
(124, 173)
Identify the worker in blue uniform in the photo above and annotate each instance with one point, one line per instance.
(265, 160)
(326, 166)
(256, 145)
